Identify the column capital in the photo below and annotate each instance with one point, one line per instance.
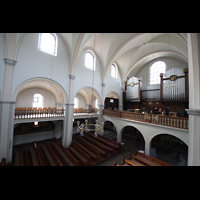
(103, 85)
(72, 77)
(10, 61)
(193, 111)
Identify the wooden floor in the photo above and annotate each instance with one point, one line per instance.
(83, 151)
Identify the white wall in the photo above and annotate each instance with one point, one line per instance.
(2, 64)
(82, 102)
(113, 85)
(32, 62)
(25, 98)
(84, 76)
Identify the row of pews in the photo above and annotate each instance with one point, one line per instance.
(141, 159)
(83, 151)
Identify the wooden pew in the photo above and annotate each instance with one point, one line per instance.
(117, 144)
(153, 160)
(34, 158)
(92, 152)
(66, 159)
(125, 161)
(103, 152)
(67, 153)
(102, 140)
(85, 158)
(53, 153)
(38, 154)
(101, 145)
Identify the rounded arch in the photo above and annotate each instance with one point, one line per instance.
(130, 43)
(133, 138)
(21, 36)
(89, 93)
(113, 94)
(148, 58)
(169, 148)
(41, 82)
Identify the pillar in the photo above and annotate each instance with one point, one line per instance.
(194, 99)
(69, 114)
(7, 106)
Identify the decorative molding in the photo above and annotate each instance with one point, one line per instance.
(193, 111)
(103, 85)
(10, 61)
(7, 102)
(72, 77)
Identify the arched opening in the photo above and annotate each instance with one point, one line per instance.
(110, 130)
(133, 139)
(111, 101)
(170, 149)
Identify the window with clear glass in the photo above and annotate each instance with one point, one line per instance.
(38, 101)
(89, 60)
(75, 102)
(48, 43)
(114, 70)
(96, 102)
(155, 70)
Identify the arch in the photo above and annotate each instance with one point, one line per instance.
(45, 83)
(65, 44)
(90, 55)
(87, 92)
(132, 133)
(168, 147)
(144, 60)
(122, 48)
(52, 39)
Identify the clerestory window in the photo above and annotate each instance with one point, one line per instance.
(48, 43)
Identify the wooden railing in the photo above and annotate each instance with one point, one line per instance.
(23, 113)
(177, 122)
(81, 110)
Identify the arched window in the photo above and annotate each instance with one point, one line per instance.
(48, 43)
(96, 102)
(90, 60)
(155, 70)
(38, 101)
(76, 102)
(114, 70)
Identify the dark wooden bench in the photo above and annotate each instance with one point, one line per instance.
(34, 158)
(103, 152)
(67, 153)
(58, 162)
(151, 161)
(125, 161)
(38, 154)
(66, 159)
(102, 140)
(85, 158)
(92, 152)
(101, 145)
(117, 144)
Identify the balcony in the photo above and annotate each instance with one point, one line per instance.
(175, 122)
(37, 113)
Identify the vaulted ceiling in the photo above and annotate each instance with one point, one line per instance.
(131, 51)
